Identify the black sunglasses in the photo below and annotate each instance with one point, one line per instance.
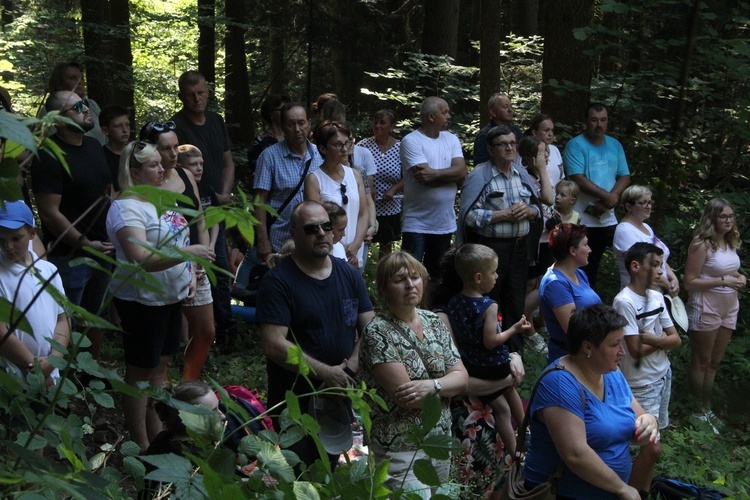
(311, 229)
(157, 126)
(78, 106)
(344, 197)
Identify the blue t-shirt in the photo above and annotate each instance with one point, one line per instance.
(321, 316)
(467, 320)
(610, 426)
(557, 290)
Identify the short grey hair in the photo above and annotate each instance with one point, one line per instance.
(494, 98)
(430, 105)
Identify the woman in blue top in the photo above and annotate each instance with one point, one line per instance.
(585, 415)
(565, 286)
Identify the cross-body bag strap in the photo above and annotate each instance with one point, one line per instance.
(410, 341)
(521, 440)
(271, 220)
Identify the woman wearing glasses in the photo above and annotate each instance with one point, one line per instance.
(198, 311)
(151, 318)
(638, 204)
(340, 184)
(712, 279)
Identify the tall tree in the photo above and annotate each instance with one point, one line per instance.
(122, 56)
(440, 32)
(207, 39)
(524, 17)
(489, 65)
(566, 70)
(237, 86)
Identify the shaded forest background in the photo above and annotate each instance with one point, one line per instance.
(675, 73)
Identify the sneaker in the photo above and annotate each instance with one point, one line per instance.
(536, 343)
(703, 417)
(715, 421)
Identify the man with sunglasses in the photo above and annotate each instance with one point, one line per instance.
(318, 302)
(195, 124)
(73, 205)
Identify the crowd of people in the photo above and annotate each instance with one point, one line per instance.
(514, 269)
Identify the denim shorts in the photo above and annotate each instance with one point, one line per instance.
(654, 398)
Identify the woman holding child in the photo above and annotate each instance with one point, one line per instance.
(408, 355)
(151, 318)
(565, 286)
(712, 276)
(584, 417)
(638, 203)
(179, 178)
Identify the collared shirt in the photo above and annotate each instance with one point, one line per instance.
(499, 194)
(279, 171)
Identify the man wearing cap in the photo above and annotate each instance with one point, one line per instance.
(316, 302)
(20, 351)
(73, 204)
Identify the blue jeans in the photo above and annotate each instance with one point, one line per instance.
(427, 248)
(84, 286)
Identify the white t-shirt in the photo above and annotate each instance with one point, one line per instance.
(169, 230)
(429, 209)
(626, 235)
(42, 316)
(636, 309)
(339, 251)
(363, 161)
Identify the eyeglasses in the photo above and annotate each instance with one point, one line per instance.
(341, 146)
(726, 217)
(157, 126)
(311, 229)
(344, 197)
(647, 203)
(78, 106)
(505, 145)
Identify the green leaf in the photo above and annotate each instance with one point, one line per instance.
(12, 128)
(425, 472)
(134, 467)
(130, 449)
(432, 410)
(9, 188)
(103, 399)
(273, 460)
(440, 446)
(292, 405)
(37, 442)
(303, 490)
(169, 468)
(202, 425)
(97, 460)
(10, 314)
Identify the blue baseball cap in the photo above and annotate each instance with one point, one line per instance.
(15, 215)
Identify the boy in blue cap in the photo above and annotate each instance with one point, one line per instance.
(22, 276)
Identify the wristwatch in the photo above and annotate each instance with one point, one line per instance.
(438, 386)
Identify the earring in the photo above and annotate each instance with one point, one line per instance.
(589, 355)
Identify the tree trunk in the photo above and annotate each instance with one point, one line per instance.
(275, 48)
(7, 15)
(95, 20)
(440, 33)
(564, 60)
(237, 85)
(489, 67)
(122, 55)
(207, 39)
(524, 17)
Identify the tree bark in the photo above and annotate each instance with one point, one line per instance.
(524, 17)
(237, 85)
(440, 33)
(122, 55)
(564, 60)
(8, 12)
(489, 66)
(207, 39)
(96, 43)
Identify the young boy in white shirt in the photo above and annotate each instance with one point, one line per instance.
(22, 277)
(649, 334)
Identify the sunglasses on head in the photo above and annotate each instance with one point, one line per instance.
(157, 126)
(78, 106)
(344, 197)
(311, 229)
